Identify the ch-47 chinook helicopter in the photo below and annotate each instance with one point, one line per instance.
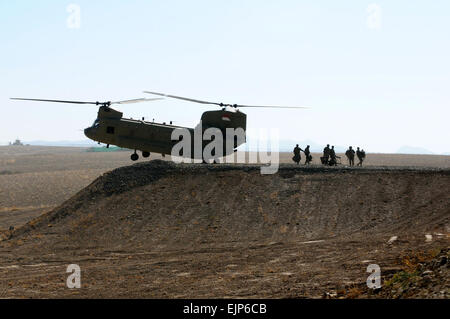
(149, 137)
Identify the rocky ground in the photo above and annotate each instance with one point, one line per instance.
(422, 275)
(421, 278)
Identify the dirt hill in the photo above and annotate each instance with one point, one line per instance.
(159, 203)
(162, 207)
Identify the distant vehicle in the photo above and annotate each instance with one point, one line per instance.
(149, 137)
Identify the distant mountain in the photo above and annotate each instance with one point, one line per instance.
(288, 146)
(83, 143)
(413, 150)
(284, 145)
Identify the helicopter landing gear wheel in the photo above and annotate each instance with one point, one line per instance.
(146, 154)
(134, 157)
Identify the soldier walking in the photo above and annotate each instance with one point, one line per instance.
(326, 155)
(308, 155)
(297, 156)
(361, 156)
(351, 156)
(333, 157)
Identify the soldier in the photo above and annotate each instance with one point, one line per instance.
(297, 156)
(361, 156)
(326, 154)
(333, 161)
(351, 156)
(308, 155)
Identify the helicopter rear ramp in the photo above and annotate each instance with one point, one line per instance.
(227, 230)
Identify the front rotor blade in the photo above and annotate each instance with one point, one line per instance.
(137, 101)
(55, 101)
(183, 98)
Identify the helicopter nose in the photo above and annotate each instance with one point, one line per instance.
(88, 132)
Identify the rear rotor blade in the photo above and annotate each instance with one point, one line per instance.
(184, 98)
(273, 106)
(223, 104)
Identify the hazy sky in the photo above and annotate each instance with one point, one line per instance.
(376, 73)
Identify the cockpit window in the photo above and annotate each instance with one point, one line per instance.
(96, 123)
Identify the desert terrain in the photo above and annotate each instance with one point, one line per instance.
(160, 230)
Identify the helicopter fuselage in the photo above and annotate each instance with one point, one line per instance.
(149, 137)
